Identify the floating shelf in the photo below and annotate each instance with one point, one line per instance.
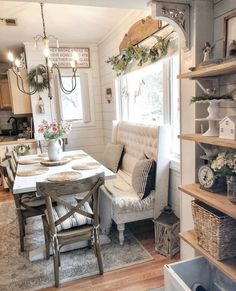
(211, 71)
(209, 140)
(227, 266)
(216, 200)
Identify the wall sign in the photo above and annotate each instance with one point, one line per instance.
(62, 56)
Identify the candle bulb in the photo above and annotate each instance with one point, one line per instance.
(17, 63)
(75, 56)
(72, 63)
(57, 43)
(10, 56)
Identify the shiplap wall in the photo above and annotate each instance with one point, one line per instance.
(107, 48)
(223, 8)
(89, 138)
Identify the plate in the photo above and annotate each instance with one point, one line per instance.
(30, 162)
(65, 176)
(43, 155)
(86, 166)
(76, 156)
(32, 172)
(63, 161)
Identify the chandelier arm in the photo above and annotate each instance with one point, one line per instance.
(22, 89)
(74, 81)
(43, 20)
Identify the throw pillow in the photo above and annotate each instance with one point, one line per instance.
(112, 156)
(143, 177)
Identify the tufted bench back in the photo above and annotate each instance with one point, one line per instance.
(139, 140)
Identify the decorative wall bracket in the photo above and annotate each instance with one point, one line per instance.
(177, 15)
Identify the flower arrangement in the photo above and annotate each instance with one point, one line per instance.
(54, 130)
(225, 164)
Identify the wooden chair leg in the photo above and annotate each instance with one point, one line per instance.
(21, 229)
(46, 237)
(56, 267)
(98, 252)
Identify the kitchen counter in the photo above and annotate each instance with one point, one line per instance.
(8, 140)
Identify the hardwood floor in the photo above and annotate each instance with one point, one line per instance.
(133, 278)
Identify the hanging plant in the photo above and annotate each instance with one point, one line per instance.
(140, 54)
(40, 73)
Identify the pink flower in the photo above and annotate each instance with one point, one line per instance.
(45, 122)
(41, 130)
(54, 128)
(54, 124)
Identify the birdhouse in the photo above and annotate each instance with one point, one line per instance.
(228, 127)
(167, 227)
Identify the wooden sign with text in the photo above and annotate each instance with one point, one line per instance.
(63, 56)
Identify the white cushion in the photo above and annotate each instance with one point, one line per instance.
(112, 156)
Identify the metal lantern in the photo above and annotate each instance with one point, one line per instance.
(167, 227)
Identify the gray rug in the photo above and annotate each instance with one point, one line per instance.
(18, 273)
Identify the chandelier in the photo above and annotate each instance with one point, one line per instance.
(48, 68)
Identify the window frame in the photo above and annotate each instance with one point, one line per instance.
(88, 75)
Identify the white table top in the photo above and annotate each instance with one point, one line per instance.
(28, 184)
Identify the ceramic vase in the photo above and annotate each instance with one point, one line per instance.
(55, 149)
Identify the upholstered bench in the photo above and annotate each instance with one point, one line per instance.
(144, 146)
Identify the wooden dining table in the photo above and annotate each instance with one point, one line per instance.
(26, 184)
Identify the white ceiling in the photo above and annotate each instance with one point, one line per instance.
(69, 23)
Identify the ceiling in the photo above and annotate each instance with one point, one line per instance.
(69, 23)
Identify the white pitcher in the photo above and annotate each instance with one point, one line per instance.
(55, 149)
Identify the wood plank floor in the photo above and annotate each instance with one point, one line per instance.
(133, 278)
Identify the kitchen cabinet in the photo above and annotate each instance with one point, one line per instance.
(21, 102)
(5, 100)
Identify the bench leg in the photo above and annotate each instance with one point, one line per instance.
(121, 228)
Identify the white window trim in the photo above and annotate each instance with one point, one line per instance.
(79, 123)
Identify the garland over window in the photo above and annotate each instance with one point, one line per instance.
(139, 54)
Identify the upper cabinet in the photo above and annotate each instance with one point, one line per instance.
(21, 103)
(5, 101)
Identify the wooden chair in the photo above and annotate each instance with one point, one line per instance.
(27, 204)
(79, 222)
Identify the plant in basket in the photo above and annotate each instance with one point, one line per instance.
(53, 133)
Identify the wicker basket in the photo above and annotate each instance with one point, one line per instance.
(215, 231)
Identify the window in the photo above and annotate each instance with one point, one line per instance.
(77, 106)
(152, 94)
(142, 94)
(71, 104)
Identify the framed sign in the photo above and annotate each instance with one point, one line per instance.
(230, 31)
(62, 56)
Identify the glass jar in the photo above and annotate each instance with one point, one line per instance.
(231, 188)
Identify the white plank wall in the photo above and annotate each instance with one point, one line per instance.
(88, 138)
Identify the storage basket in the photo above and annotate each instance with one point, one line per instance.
(215, 231)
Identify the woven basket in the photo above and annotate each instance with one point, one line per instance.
(215, 231)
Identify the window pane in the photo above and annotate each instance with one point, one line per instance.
(71, 105)
(142, 94)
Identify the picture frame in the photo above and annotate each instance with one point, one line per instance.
(62, 56)
(229, 32)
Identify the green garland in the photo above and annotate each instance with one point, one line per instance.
(139, 54)
(205, 97)
(32, 77)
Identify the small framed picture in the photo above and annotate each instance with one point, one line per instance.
(230, 33)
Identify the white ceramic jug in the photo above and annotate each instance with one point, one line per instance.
(55, 149)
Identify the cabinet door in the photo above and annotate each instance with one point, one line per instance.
(21, 103)
(5, 101)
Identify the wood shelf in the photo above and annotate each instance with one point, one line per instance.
(211, 71)
(197, 137)
(216, 200)
(226, 266)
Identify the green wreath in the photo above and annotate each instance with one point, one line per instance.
(32, 76)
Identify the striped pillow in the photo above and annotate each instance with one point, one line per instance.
(74, 220)
(112, 156)
(143, 177)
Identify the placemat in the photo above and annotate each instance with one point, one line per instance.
(32, 172)
(86, 166)
(61, 162)
(29, 162)
(76, 156)
(65, 176)
(43, 155)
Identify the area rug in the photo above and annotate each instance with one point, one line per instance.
(18, 273)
